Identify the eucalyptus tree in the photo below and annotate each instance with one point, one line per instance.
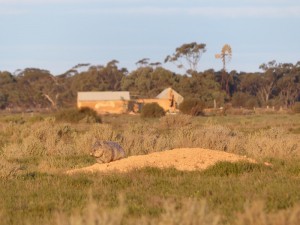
(28, 88)
(98, 78)
(289, 89)
(289, 83)
(155, 64)
(145, 62)
(281, 80)
(187, 56)
(7, 86)
(142, 62)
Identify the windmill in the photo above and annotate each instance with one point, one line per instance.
(225, 56)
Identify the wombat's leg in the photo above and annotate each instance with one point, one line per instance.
(100, 160)
(113, 154)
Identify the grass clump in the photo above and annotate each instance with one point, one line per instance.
(190, 212)
(193, 107)
(93, 214)
(85, 115)
(175, 121)
(229, 168)
(296, 107)
(255, 214)
(8, 169)
(152, 110)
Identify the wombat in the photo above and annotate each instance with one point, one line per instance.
(107, 151)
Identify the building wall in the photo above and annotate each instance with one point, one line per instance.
(119, 107)
(104, 107)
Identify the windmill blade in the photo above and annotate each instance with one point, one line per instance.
(218, 56)
(227, 49)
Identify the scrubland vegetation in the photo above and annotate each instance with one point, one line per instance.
(36, 150)
(36, 89)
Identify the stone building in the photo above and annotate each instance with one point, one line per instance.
(105, 102)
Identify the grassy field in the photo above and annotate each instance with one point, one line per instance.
(36, 151)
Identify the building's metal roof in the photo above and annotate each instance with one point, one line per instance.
(165, 94)
(103, 96)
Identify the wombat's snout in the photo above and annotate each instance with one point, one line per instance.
(92, 151)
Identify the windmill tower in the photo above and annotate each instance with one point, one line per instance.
(225, 56)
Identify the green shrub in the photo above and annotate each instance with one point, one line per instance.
(229, 168)
(16, 119)
(240, 99)
(173, 121)
(152, 110)
(296, 107)
(86, 115)
(193, 107)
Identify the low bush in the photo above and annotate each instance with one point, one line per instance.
(296, 107)
(175, 121)
(86, 115)
(16, 119)
(273, 142)
(152, 110)
(228, 168)
(241, 99)
(193, 107)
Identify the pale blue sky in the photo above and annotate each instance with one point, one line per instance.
(57, 34)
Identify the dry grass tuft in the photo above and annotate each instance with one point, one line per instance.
(7, 169)
(3, 217)
(191, 212)
(255, 215)
(272, 143)
(93, 214)
(175, 121)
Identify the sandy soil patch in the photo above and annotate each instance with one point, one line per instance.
(186, 159)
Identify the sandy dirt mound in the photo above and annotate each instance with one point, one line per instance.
(187, 159)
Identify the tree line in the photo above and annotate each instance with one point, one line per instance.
(277, 85)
